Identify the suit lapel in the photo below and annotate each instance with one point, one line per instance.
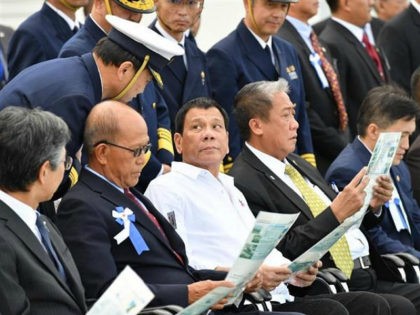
(118, 199)
(255, 53)
(194, 78)
(360, 49)
(22, 231)
(62, 29)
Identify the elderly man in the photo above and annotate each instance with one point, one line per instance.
(274, 179)
(37, 273)
(90, 216)
(41, 36)
(250, 53)
(213, 218)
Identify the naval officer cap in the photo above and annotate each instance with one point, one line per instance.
(143, 43)
(137, 6)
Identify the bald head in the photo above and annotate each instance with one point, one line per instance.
(110, 121)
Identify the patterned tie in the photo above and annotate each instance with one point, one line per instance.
(152, 218)
(371, 50)
(46, 241)
(340, 251)
(332, 80)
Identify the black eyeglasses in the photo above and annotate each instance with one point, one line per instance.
(136, 152)
(68, 162)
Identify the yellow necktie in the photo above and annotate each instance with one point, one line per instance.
(339, 251)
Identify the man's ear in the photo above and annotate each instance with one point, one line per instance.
(178, 142)
(101, 153)
(43, 171)
(125, 69)
(255, 126)
(372, 131)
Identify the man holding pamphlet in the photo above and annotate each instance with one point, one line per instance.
(274, 179)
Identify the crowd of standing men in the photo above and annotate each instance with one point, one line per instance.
(277, 103)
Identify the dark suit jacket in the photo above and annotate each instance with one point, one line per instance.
(375, 23)
(357, 71)
(399, 40)
(384, 236)
(150, 104)
(29, 276)
(265, 191)
(237, 60)
(413, 161)
(178, 90)
(88, 227)
(37, 39)
(322, 109)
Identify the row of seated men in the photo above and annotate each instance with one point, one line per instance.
(192, 222)
(327, 85)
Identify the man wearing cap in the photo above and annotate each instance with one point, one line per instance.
(118, 68)
(150, 103)
(186, 77)
(250, 53)
(41, 36)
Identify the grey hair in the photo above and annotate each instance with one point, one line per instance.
(28, 138)
(256, 100)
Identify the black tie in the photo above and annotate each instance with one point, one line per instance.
(46, 241)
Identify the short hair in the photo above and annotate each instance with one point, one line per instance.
(112, 54)
(256, 100)
(383, 106)
(28, 138)
(333, 4)
(100, 127)
(415, 85)
(200, 102)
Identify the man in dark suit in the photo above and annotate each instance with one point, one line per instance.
(326, 107)
(267, 172)
(37, 272)
(186, 77)
(103, 202)
(251, 53)
(360, 65)
(150, 103)
(41, 35)
(385, 109)
(399, 41)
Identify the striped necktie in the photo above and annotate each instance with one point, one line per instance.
(340, 251)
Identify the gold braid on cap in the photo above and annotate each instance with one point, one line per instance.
(251, 12)
(69, 6)
(133, 80)
(108, 7)
(142, 5)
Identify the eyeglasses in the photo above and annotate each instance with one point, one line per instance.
(68, 162)
(191, 4)
(136, 152)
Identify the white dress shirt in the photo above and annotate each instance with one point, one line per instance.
(210, 214)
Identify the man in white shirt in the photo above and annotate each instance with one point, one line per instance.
(263, 173)
(213, 218)
(36, 268)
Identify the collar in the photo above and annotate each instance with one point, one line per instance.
(22, 210)
(416, 5)
(361, 141)
(355, 30)
(195, 172)
(72, 24)
(275, 165)
(165, 34)
(262, 43)
(303, 28)
(104, 178)
(96, 23)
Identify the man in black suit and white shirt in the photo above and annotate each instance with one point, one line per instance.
(265, 172)
(36, 269)
(327, 112)
(360, 65)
